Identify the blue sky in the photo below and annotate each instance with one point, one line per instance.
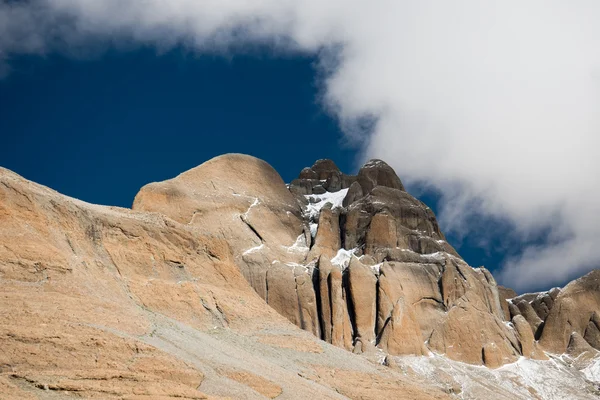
(100, 129)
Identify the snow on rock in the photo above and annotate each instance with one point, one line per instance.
(313, 229)
(342, 258)
(592, 371)
(524, 379)
(299, 245)
(376, 268)
(254, 204)
(254, 249)
(318, 201)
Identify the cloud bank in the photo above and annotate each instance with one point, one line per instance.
(495, 104)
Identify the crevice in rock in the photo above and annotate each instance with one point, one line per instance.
(349, 303)
(252, 228)
(300, 314)
(380, 334)
(483, 355)
(317, 288)
(377, 311)
(266, 287)
(538, 333)
(342, 224)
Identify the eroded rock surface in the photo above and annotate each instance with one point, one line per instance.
(109, 303)
(168, 299)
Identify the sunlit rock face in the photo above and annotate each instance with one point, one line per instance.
(201, 289)
(355, 260)
(109, 303)
(358, 261)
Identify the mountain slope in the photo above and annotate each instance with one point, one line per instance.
(171, 299)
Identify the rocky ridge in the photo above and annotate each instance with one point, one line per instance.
(355, 260)
(168, 299)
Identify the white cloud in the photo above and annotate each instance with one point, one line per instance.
(495, 103)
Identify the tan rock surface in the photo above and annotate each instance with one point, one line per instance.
(363, 291)
(108, 303)
(574, 308)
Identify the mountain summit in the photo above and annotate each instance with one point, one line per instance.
(200, 290)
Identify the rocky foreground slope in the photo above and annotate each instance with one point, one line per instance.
(201, 290)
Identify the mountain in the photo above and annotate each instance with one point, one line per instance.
(224, 282)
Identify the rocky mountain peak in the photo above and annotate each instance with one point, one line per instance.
(354, 260)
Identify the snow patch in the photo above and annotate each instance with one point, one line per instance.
(376, 268)
(299, 245)
(592, 371)
(313, 209)
(342, 258)
(313, 229)
(523, 379)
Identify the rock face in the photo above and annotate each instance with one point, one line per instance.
(575, 310)
(109, 303)
(170, 299)
(357, 261)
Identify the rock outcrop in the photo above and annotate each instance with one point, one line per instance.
(170, 299)
(109, 303)
(357, 261)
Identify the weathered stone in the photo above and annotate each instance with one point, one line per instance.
(378, 173)
(530, 315)
(348, 180)
(381, 236)
(327, 240)
(363, 292)
(333, 182)
(281, 293)
(342, 333)
(418, 285)
(319, 189)
(324, 168)
(401, 333)
(505, 294)
(109, 303)
(592, 332)
(307, 302)
(354, 193)
(303, 187)
(572, 311)
(324, 270)
(473, 336)
(308, 173)
(529, 347)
